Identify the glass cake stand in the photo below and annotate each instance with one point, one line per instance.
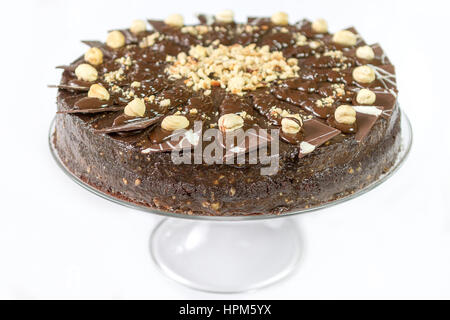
(231, 254)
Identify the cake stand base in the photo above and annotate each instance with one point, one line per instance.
(226, 257)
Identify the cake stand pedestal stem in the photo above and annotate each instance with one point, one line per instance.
(226, 257)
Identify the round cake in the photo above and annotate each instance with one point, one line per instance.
(227, 118)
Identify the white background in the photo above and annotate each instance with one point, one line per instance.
(59, 241)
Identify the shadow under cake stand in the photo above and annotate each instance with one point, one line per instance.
(231, 254)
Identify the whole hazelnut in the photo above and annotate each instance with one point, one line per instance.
(364, 74)
(290, 126)
(99, 92)
(175, 20)
(366, 96)
(345, 114)
(230, 122)
(226, 16)
(94, 56)
(138, 26)
(174, 122)
(115, 39)
(365, 52)
(280, 18)
(345, 38)
(86, 72)
(320, 26)
(135, 108)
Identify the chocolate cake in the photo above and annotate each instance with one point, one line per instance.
(268, 117)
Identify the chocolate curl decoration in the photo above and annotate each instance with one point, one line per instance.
(315, 134)
(131, 126)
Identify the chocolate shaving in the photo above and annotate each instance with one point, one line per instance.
(68, 87)
(93, 43)
(131, 126)
(91, 111)
(205, 19)
(365, 122)
(316, 134)
(303, 100)
(67, 68)
(160, 26)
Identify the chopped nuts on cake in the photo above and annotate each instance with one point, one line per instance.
(235, 68)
